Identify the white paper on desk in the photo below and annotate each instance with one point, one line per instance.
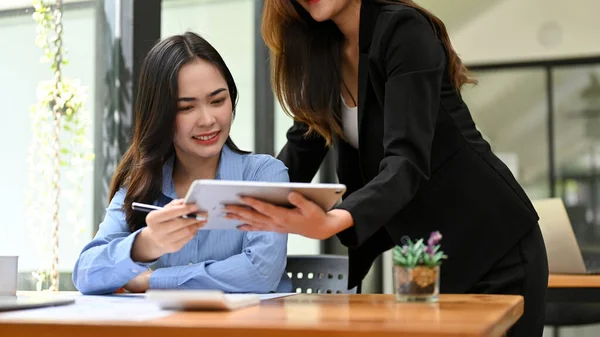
(266, 297)
(94, 308)
(121, 307)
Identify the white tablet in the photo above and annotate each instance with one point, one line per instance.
(211, 195)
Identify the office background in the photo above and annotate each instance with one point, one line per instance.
(537, 102)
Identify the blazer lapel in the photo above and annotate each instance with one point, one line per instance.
(369, 12)
(363, 81)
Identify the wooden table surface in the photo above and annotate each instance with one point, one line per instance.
(308, 315)
(573, 281)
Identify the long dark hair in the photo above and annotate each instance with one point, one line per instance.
(305, 62)
(140, 169)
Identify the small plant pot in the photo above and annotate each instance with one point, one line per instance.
(417, 284)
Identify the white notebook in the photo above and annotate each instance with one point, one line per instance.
(201, 299)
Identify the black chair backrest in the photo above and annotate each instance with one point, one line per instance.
(319, 274)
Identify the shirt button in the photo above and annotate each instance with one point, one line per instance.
(134, 271)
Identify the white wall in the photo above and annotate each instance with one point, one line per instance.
(21, 70)
(518, 30)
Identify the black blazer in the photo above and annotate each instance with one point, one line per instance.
(421, 164)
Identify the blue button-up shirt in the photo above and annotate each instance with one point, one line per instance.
(229, 260)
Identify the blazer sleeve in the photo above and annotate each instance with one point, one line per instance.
(414, 62)
(302, 154)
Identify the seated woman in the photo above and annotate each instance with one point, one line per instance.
(184, 110)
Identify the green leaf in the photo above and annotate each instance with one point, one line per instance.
(400, 260)
(426, 259)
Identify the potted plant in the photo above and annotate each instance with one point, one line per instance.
(417, 269)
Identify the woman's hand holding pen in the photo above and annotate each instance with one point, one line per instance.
(166, 231)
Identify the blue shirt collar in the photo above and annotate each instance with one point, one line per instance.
(231, 167)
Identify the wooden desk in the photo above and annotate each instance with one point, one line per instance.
(573, 281)
(309, 315)
(573, 300)
(573, 288)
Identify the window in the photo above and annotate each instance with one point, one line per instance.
(510, 110)
(576, 92)
(22, 71)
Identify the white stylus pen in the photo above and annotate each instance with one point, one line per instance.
(138, 206)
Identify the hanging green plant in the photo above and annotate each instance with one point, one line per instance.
(60, 153)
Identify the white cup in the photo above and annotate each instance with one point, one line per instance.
(8, 275)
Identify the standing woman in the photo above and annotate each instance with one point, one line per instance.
(378, 82)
